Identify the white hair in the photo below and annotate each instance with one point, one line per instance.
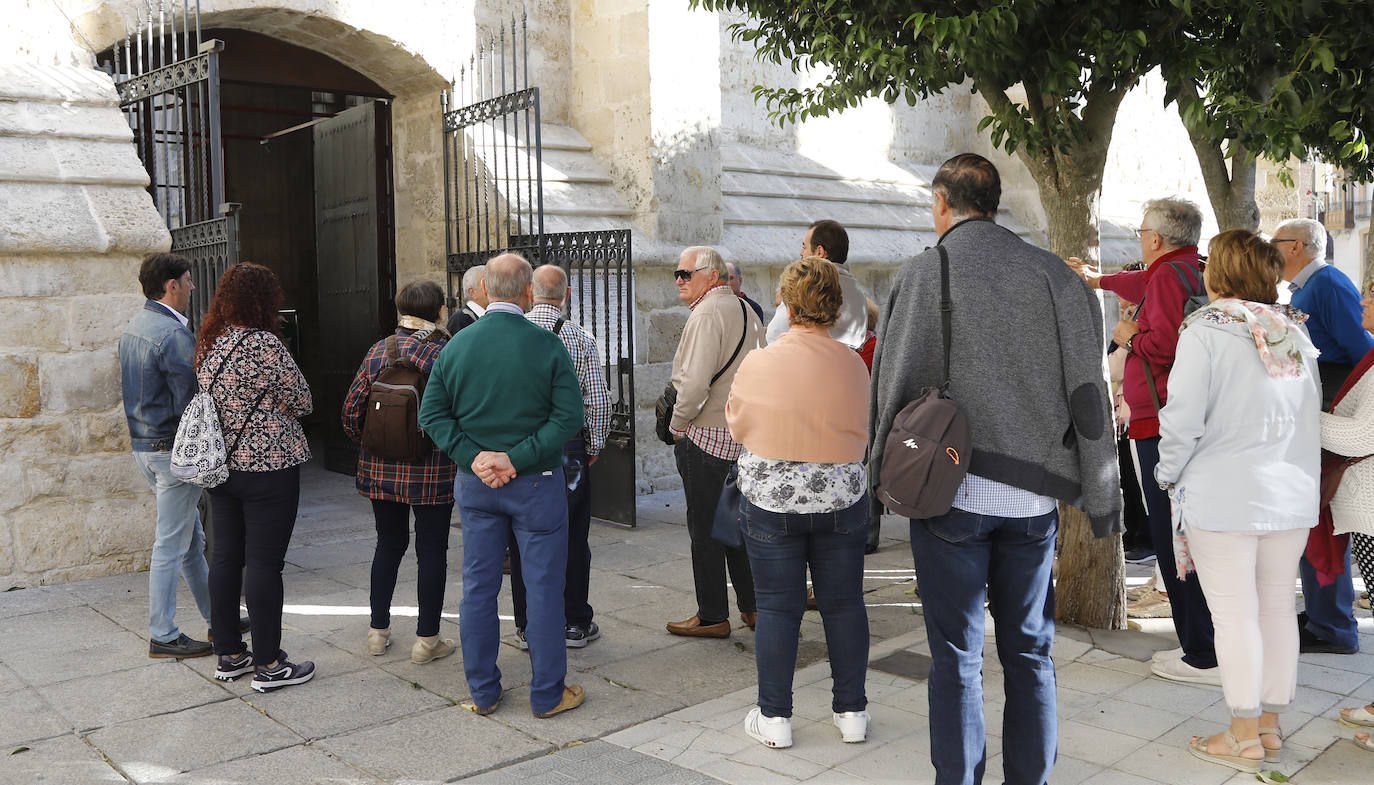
(1178, 221)
(472, 279)
(1312, 234)
(707, 258)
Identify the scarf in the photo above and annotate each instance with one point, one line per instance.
(1280, 343)
(1326, 549)
(421, 328)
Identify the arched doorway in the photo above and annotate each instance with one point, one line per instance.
(302, 167)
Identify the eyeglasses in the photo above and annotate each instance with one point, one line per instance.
(1288, 240)
(1140, 232)
(686, 275)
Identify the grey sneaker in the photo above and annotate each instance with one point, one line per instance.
(284, 675)
(232, 666)
(521, 642)
(181, 648)
(578, 636)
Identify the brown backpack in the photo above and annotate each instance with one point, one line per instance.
(929, 446)
(391, 421)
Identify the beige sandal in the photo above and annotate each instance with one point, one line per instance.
(1272, 756)
(1233, 759)
(1358, 717)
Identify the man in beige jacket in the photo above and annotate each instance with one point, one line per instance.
(719, 332)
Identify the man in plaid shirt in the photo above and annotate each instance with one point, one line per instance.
(550, 293)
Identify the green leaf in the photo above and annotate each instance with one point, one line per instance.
(18, 750)
(1271, 776)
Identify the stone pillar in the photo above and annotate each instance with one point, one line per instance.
(75, 220)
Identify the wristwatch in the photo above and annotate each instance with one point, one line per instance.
(1128, 343)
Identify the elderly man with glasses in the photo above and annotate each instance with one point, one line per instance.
(1168, 233)
(1332, 305)
(720, 331)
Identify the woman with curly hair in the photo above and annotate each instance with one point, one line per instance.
(259, 393)
(800, 408)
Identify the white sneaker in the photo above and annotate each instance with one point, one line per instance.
(775, 732)
(1167, 654)
(1178, 670)
(853, 726)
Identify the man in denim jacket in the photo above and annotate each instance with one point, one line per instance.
(155, 355)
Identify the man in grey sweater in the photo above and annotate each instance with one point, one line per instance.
(1026, 367)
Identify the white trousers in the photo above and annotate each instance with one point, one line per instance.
(1248, 578)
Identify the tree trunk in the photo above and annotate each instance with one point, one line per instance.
(1368, 272)
(1232, 193)
(1091, 578)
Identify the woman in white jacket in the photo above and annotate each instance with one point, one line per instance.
(1349, 432)
(1240, 455)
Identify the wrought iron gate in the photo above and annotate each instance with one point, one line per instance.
(167, 77)
(494, 202)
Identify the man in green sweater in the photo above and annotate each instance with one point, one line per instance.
(501, 401)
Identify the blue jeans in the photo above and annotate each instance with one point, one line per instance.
(535, 508)
(780, 547)
(178, 547)
(961, 558)
(1330, 609)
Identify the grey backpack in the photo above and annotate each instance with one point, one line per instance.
(927, 451)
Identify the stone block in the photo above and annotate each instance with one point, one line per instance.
(53, 276)
(96, 477)
(6, 541)
(104, 432)
(19, 387)
(658, 333)
(56, 84)
(96, 321)
(68, 121)
(54, 218)
(33, 324)
(21, 439)
(79, 380)
(27, 159)
(129, 219)
(98, 162)
(50, 534)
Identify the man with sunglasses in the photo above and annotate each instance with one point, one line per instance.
(720, 331)
(1332, 305)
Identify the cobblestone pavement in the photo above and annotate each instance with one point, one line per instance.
(80, 702)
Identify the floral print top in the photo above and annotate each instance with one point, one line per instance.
(800, 486)
(259, 371)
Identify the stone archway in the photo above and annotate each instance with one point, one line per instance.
(367, 39)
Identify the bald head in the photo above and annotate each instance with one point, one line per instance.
(550, 284)
(508, 279)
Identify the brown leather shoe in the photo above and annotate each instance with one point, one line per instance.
(573, 696)
(749, 619)
(693, 628)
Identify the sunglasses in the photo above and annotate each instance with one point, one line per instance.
(686, 275)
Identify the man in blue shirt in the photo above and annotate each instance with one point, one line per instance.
(155, 354)
(1332, 304)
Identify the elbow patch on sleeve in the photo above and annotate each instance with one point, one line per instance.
(1085, 407)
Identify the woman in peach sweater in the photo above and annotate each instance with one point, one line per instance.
(800, 408)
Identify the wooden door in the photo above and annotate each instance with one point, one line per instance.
(355, 258)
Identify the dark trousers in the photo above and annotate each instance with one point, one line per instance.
(431, 556)
(703, 478)
(1192, 617)
(576, 609)
(255, 513)
(1133, 514)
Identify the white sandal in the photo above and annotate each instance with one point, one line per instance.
(1272, 756)
(1231, 758)
(1358, 717)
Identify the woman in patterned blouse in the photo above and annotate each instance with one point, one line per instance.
(800, 408)
(259, 393)
(397, 487)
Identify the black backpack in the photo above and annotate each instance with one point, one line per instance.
(1197, 297)
(391, 421)
(928, 448)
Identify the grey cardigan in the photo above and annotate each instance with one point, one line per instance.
(1026, 365)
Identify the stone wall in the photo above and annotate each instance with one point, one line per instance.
(74, 222)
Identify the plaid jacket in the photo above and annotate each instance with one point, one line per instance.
(430, 482)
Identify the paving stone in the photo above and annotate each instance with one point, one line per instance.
(608, 708)
(335, 554)
(1170, 695)
(1172, 764)
(49, 629)
(1096, 745)
(437, 745)
(63, 760)
(156, 688)
(9, 680)
(703, 668)
(1070, 771)
(39, 599)
(25, 716)
(1094, 679)
(335, 704)
(1143, 722)
(154, 748)
(303, 764)
(109, 653)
